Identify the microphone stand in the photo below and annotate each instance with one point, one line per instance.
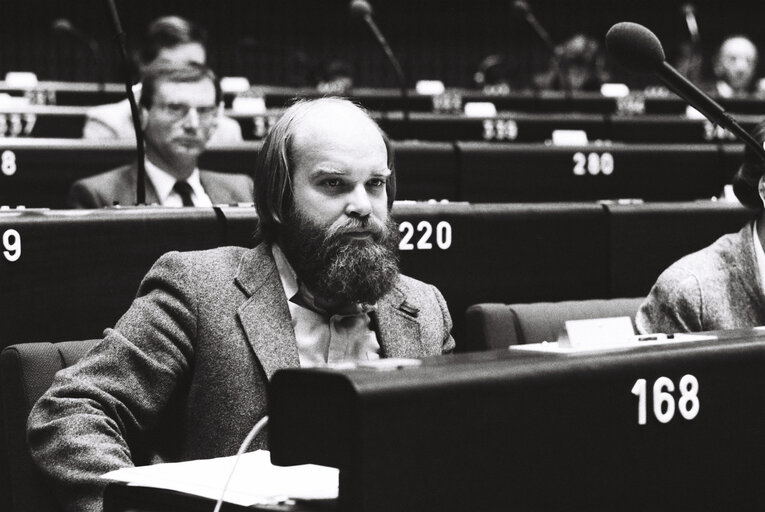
(140, 196)
(561, 68)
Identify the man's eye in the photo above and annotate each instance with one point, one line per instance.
(377, 182)
(176, 108)
(207, 111)
(332, 183)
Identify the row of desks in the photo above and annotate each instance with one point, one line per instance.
(78, 93)
(39, 172)
(67, 275)
(68, 122)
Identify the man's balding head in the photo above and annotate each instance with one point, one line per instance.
(305, 128)
(736, 62)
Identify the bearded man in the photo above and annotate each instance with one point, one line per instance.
(183, 374)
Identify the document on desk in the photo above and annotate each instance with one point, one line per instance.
(255, 482)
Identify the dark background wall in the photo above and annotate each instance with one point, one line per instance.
(277, 41)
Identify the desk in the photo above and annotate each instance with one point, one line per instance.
(508, 253)
(531, 431)
(119, 497)
(387, 99)
(46, 121)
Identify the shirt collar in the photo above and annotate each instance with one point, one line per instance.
(286, 272)
(164, 182)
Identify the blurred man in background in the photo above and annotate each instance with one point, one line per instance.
(181, 107)
(168, 39)
(735, 67)
(582, 65)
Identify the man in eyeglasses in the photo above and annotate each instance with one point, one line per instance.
(167, 39)
(180, 110)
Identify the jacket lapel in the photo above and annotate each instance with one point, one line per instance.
(398, 329)
(265, 316)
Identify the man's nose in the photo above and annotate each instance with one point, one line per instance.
(359, 204)
(191, 119)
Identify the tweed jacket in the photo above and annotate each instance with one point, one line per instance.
(183, 374)
(118, 186)
(715, 288)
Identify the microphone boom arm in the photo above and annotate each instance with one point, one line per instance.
(394, 62)
(706, 105)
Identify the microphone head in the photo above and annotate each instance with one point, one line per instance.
(360, 9)
(635, 47)
(521, 7)
(689, 9)
(62, 25)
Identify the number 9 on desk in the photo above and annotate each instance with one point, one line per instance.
(11, 245)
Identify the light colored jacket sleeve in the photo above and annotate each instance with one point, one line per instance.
(674, 304)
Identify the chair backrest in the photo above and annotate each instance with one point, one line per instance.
(492, 325)
(26, 372)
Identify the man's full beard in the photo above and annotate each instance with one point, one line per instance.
(336, 267)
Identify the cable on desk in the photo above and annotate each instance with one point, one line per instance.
(247, 441)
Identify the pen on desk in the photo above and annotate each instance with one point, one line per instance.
(654, 337)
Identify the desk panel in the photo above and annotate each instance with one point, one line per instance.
(505, 253)
(78, 271)
(630, 428)
(526, 172)
(502, 128)
(43, 121)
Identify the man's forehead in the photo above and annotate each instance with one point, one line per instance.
(738, 45)
(199, 91)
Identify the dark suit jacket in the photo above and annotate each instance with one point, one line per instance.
(183, 374)
(118, 186)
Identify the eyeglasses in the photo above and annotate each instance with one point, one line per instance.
(178, 111)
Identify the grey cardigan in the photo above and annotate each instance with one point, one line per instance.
(715, 288)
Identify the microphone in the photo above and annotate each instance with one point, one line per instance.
(638, 49)
(523, 10)
(363, 10)
(140, 193)
(693, 27)
(65, 27)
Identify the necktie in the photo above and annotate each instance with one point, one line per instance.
(183, 189)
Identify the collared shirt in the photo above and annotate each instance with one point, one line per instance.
(323, 339)
(164, 182)
(759, 255)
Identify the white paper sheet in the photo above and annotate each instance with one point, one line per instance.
(255, 482)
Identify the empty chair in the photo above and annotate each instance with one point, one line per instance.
(26, 372)
(493, 325)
